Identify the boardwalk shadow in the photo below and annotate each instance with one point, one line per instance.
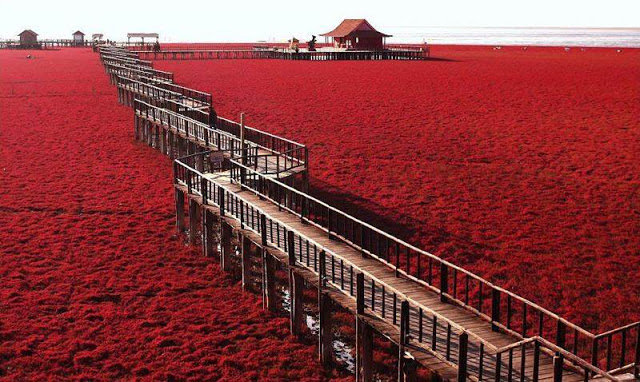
(402, 226)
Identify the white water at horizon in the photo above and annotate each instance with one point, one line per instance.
(588, 37)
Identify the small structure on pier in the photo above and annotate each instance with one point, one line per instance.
(357, 34)
(28, 38)
(78, 38)
(97, 38)
(141, 36)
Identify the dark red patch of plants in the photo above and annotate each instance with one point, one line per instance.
(520, 164)
(96, 284)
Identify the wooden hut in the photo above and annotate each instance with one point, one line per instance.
(28, 38)
(78, 38)
(357, 34)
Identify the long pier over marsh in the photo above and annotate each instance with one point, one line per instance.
(243, 194)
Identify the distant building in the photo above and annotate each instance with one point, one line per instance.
(97, 36)
(141, 36)
(78, 38)
(28, 38)
(357, 34)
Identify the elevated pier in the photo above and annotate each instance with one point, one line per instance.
(243, 193)
(321, 55)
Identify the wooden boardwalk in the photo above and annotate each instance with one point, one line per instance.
(254, 54)
(440, 316)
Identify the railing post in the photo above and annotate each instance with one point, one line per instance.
(402, 341)
(561, 334)
(594, 352)
(360, 293)
(557, 368)
(221, 200)
(495, 309)
(203, 190)
(536, 361)
(444, 282)
(263, 229)
(463, 340)
(295, 290)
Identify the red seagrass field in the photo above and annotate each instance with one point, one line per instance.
(522, 165)
(96, 285)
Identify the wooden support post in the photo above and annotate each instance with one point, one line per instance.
(444, 282)
(163, 141)
(136, 125)
(179, 210)
(325, 334)
(194, 212)
(402, 341)
(410, 370)
(268, 281)
(364, 337)
(200, 163)
(225, 245)
(296, 289)
(171, 151)
(209, 242)
(150, 128)
(557, 368)
(246, 261)
(364, 352)
(462, 357)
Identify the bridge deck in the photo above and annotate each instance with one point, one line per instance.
(421, 295)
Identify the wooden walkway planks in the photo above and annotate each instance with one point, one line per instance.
(446, 344)
(421, 295)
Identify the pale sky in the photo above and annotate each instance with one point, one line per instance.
(246, 21)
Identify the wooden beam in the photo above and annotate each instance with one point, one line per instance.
(325, 334)
(246, 261)
(296, 289)
(179, 210)
(194, 217)
(364, 337)
(463, 343)
(268, 281)
(209, 239)
(225, 245)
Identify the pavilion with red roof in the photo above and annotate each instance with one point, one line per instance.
(357, 34)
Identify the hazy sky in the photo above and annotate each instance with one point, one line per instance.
(241, 20)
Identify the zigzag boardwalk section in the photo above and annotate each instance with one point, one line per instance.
(245, 206)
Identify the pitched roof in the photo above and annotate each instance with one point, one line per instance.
(27, 31)
(78, 32)
(348, 26)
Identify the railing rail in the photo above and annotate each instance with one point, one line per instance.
(454, 284)
(269, 162)
(427, 329)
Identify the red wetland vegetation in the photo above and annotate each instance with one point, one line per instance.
(521, 165)
(96, 285)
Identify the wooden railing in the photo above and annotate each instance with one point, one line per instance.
(321, 55)
(294, 154)
(617, 350)
(502, 308)
(132, 72)
(422, 328)
(261, 159)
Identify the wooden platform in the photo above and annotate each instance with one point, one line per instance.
(420, 296)
(283, 55)
(450, 320)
